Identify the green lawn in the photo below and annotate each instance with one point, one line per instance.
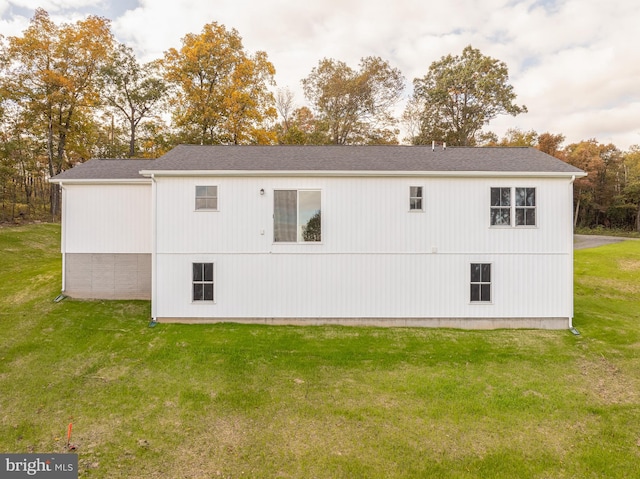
(207, 401)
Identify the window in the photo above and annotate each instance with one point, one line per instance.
(500, 206)
(206, 197)
(415, 198)
(203, 281)
(480, 282)
(297, 216)
(525, 206)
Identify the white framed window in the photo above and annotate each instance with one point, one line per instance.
(202, 282)
(480, 283)
(525, 206)
(297, 216)
(415, 198)
(206, 198)
(513, 206)
(500, 206)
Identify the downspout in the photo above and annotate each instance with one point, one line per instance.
(63, 236)
(573, 178)
(154, 236)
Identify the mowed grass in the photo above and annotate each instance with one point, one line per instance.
(207, 401)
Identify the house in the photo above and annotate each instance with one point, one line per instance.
(475, 238)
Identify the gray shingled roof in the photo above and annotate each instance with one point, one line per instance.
(102, 169)
(419, 159)
(358, 158)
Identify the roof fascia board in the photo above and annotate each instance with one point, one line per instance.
(103, 181)
(387, 173)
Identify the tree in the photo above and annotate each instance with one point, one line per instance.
(461, 94)
(517, 137)
(303, 129)
(355, 105)
(312, 231)
(221, 92)
(630, 197)
(285, 106)
(595, 193)
(131, 90)
(550, 143)
(412, 119)
(51, 73)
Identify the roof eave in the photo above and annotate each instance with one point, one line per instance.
(361, 173)
(101, 181)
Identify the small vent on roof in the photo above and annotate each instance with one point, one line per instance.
(433, 145)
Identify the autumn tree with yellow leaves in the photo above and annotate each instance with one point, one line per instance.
(221, 93)
(49, 78)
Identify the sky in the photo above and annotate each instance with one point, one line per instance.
(575, 64)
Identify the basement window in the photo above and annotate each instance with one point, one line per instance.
(480, 282)
(202, 282)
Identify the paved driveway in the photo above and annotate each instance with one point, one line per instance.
(591, 241)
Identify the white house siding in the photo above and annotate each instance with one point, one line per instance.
(107, 218)
(106, 243)
(377, 260)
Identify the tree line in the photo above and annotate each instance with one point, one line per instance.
(70, 92)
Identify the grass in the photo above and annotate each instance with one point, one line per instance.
(203, 401)
(601, 230)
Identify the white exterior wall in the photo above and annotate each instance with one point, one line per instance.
(106, 240)
(377, 259)
(107, 218)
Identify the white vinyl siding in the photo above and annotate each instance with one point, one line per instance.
(106, 240)
(366, 285)
(372, 260)
(361, 215)
(107, 218)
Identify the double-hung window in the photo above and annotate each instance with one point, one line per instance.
(525, 206)
(513, 206)
(297, 216)
(207, 198)
(202, 282)
(415, 198)
(480, 282)
(500, 206)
